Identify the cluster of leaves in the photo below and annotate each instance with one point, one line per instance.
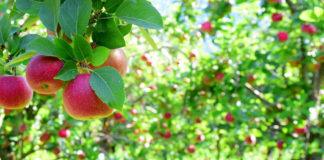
(177, 93)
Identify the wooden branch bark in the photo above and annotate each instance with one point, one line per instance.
(259, 95)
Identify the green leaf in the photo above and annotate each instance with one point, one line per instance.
(48, 14)
(308, 16)
(24, 41)
(13, 44)
(5, 28)
(112, 5)
(21, 58)
(97, 4)
(81, 48)
(109, 86)
(141, 13)
(29, 6)
(63, 49)
(125, 28)
(68, 72)
(42, 46)
(319, 12)
(148, 38)
(30, 21)
(107, 34)
(99, 56)
(74, 16)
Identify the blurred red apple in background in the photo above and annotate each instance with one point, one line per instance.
(282, 36)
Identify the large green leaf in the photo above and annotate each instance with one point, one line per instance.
(125, 28)
(4, 28)
(141, 13)
(32, 19)
(319, 12)
(99, 56)
(148, 38)
(24, 41)
(109, 86)
(68, 72)
(21, 58)
(74, 16)
(48, 14)
(97, 4)
(42, 46)
(308, 16)
(81, 47)
(112, 5)
(107, 34)
(29, 6)
(13, 44)
(63, 49)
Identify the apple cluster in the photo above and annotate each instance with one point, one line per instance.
(79, 99)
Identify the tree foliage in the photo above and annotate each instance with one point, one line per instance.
(211, 79)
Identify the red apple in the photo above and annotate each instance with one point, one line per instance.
(219, 76)
(118, 116)
(167, 115)
(198, 120)
(320, 47)
(14, 92)
(251, 78)
(81, 156)
(191, 149)
(282, 37)
(22, 128)
(167, 135)
(308, 28)
(45, 137)
(133, 111)
(320, 59)
(153, 87)
(64, 133)
(206, 27)
(81, 102)
(149, 63)
(144, 57)
(250, 140)
(116, 59)
(168, 68)
(192, 55)
(56, 151)
(200, 138)
(40, 73)
(276, 17)
(229, 118)
(301, 130)
(280, 144)
(123, 121)
(314, 67)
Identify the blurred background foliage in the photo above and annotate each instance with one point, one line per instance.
(196, 78)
